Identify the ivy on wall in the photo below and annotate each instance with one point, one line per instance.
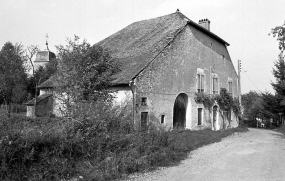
(224, 100)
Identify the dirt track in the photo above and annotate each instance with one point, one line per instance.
(258, 155)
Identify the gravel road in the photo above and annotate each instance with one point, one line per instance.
(257, 155)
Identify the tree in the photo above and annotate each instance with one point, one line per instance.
(279, 71)
(249, 102)
(272, 105)
(12, 71)
(84, 75)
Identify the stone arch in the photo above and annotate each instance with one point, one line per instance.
(180, 110)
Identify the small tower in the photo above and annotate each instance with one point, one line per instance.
(43, 57)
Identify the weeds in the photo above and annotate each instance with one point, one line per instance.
(57, 149)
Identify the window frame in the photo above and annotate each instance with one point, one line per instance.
(201, 116)
(200, 81)
(162, 119)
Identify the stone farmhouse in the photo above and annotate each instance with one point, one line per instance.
(165, 61)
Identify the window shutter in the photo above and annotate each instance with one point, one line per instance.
(199, 82)
(202, 83)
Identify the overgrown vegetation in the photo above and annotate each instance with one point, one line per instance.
(224, 100)
(102, 149)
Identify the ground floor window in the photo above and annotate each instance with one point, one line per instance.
(200, 111)
(144, 116)
(162, 119)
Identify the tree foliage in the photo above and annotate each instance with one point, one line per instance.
(276, 103)
(84, 75)
(12, 72)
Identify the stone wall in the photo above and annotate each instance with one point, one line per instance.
(174, 71)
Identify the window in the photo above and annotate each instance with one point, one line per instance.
(200, 86)
(143, 103)
(215, 85)
(200, 110)
(230, 87)
(162, 119)
(144, 116)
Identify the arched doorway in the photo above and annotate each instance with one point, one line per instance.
(179, 111)
(215, 112)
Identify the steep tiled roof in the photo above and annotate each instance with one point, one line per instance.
(39, 99)
(135, 46)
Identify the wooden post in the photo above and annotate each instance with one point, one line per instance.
(239, 82)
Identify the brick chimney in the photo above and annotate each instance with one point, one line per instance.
(205, 23)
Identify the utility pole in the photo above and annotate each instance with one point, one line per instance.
(239, 84)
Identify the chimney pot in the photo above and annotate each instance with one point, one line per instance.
(205, 23)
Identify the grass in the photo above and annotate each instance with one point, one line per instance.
(103, 149)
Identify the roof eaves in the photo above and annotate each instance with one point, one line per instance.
(208, 32)
(39, 99)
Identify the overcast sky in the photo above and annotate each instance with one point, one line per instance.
(245, 24)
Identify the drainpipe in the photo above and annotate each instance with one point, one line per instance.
(132, 87)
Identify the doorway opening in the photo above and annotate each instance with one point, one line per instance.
(179, 111)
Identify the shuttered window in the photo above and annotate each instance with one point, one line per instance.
(200, 86)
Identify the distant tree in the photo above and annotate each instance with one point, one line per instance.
(272, 105)
(279, 33)
(249, 102)
(12, 72)
(279, 74)
(84, 76)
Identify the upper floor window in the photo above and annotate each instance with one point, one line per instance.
(200, 87)
(200, 80)
(215, 85)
